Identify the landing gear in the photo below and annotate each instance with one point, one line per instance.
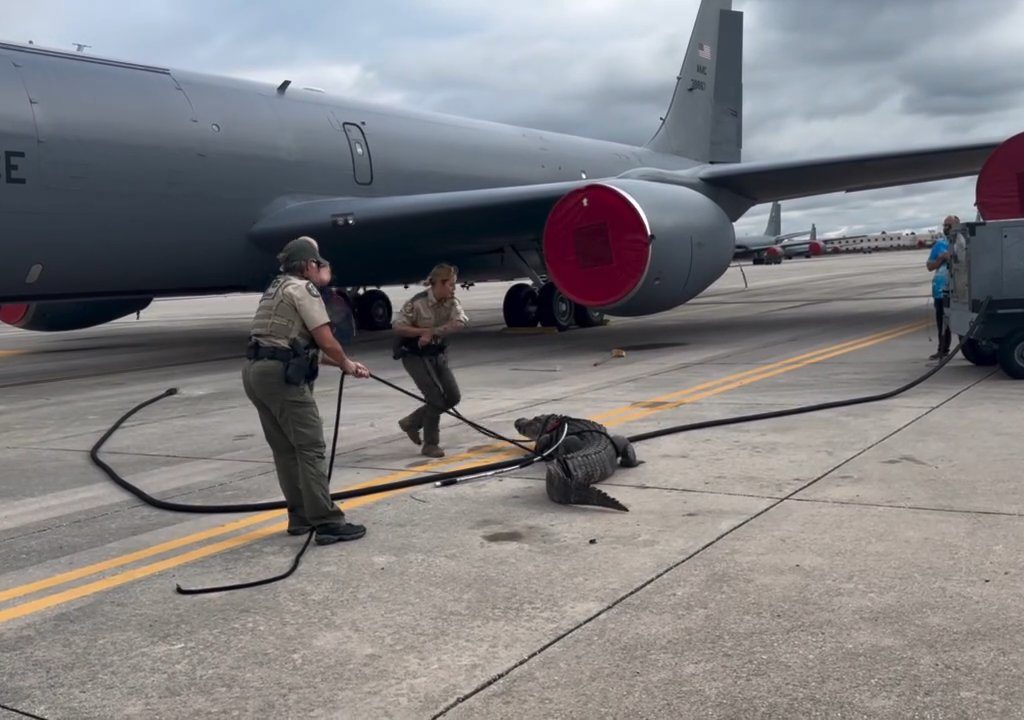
(525, 306)
(520, 306)
(585, 317)
(554, 309)
(373, 310)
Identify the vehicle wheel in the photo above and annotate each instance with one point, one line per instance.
(520, 306)
(980, 352)
(373, 310)
(554, 309)
(1011, 355)
(585, 317)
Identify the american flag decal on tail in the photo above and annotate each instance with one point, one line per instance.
(704, 50)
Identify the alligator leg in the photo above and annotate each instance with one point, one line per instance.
(624, 450)
(561, 488)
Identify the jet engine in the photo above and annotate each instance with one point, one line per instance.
(633, 247)
(69, 314)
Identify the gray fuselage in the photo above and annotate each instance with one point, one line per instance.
(119, 179)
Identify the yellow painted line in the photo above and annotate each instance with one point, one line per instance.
(609, 415)
(625, 414)
(640, 413)
(75, 593)
(82, 572)
(196, 537)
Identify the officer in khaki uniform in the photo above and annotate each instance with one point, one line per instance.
(424, 323)
(290, 324)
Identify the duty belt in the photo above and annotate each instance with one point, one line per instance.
(266, 352)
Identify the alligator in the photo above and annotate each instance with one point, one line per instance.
(587, 455)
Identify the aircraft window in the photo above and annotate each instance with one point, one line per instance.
(33, 274)
(215, 127)
(359, 148)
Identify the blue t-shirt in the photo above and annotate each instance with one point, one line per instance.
(941, 278)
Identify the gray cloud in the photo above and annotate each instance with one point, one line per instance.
(821, 77)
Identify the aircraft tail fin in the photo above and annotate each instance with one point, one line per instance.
(774, 226)
(704, 121)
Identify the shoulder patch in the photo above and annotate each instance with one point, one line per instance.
(408, 308)
(311, 289)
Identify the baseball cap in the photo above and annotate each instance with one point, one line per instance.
(301, 248)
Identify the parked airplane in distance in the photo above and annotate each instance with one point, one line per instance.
(764, 248)
(120, 182)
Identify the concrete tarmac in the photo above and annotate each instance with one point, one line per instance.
(857, 562)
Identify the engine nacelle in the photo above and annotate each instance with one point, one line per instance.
(69, 314)
(633, 247)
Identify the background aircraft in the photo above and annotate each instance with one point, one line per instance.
(120, 182)
(762, 248)
(800, 247)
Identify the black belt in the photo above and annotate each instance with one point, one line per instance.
(265, 352)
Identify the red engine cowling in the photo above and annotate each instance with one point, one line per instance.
(69, 314)
(633, 247)
(815, 248)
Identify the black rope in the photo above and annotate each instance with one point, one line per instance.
(704, 424)
(20, 712)
(309, 535)
(455, 414)
(455, 476)
(252, 583)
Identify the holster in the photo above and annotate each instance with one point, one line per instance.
(301, 365)
(304, 365)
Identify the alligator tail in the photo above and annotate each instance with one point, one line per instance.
(593, 496)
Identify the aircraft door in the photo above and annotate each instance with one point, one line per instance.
(362, 165)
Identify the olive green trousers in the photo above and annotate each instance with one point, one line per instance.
(293, 429)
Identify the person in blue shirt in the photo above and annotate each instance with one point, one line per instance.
(938, 263)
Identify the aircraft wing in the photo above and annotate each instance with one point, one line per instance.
(463, 221)
(769, 181)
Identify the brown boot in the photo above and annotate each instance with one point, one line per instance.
(414, 434)
(432, 451)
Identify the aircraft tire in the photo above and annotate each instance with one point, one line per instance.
(1011, 355)
(373, 310)
(587, 318)
(520, 306)
(982, 354)
(554, 309)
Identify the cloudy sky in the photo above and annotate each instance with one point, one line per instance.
(821, 77)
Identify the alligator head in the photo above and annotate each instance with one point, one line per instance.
(534, 427)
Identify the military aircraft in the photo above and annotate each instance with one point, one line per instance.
(763, 248)
(121, 182)
(806, 248)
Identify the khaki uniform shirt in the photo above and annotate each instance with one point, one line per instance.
(290, 308)
(423, 311)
